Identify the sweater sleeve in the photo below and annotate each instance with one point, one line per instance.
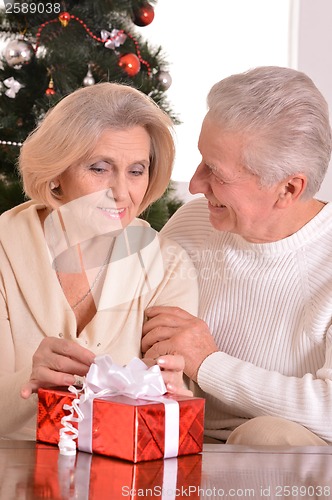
(251, 391)
(15, 411)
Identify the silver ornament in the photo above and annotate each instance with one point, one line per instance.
(165, 79)
(18, 52)
(88, 79)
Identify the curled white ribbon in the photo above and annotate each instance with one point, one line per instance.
(106, 379)
(68, 433)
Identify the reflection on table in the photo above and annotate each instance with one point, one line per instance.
(31, 470)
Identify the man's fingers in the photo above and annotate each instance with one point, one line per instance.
(161, 320)
(159, 349)
(167, 311)
(157, 335)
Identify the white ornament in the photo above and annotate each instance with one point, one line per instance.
(113, 39)
(13, 87)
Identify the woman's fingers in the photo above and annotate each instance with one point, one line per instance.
(172, 371)
(57, 380)
(178, 391)
(62, 355)
(55, 363)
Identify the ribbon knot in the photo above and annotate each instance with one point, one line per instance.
(134, 380)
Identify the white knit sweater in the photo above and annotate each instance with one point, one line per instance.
(269, 308)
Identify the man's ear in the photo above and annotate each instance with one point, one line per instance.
(291, 189)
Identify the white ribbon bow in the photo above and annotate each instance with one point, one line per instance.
(135, 380)
(113, 39)
(106, 379)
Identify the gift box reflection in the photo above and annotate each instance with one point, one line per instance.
(93, 476)
(125, 428)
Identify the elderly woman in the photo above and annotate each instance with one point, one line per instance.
(77, 267)
(262, 245)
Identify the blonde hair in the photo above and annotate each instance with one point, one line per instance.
(69, 132)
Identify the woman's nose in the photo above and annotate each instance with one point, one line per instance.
(119, 190)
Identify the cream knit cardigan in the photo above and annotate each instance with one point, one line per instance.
(33, 306)
(269, 308)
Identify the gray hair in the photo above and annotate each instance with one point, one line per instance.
(284, 121)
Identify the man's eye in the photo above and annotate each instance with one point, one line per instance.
(219, 180)
(215, 174)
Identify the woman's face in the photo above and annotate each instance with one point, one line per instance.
(105, 193)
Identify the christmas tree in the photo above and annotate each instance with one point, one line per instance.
(51, 48)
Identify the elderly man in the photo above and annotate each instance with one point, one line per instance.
(261, 349)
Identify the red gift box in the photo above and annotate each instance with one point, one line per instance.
(96, 477)
(126, 428)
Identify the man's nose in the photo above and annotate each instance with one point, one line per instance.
(199, 181)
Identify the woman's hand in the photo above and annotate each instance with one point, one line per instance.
(171, 367)
(55, 363)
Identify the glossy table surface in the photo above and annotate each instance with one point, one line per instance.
(31, 470)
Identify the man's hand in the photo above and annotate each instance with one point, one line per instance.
(55, 363)
(171, 330)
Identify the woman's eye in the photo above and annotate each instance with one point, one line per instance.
(139, 170)
(99, 167)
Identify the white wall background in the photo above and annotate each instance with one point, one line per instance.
(207, 41)
(313, 32)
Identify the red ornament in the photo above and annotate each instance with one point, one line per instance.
(130, 64)
(143, 15)
(64, 18)
(50, 90)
